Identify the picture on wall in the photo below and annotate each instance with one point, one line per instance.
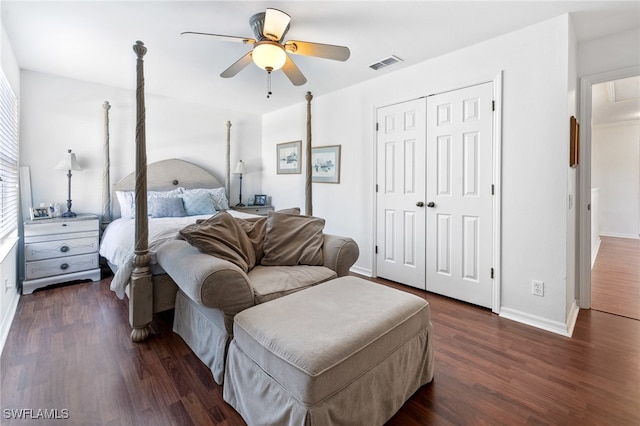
(325, 164)
(288, 157)
(574, 142)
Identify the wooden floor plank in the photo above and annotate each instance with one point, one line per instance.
(615, 277)
(69, 348)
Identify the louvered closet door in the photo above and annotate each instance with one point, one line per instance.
(400, 239)
(459, 184)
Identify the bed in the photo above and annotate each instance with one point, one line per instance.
(172, 178)
(149, 290)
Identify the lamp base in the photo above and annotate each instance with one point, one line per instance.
(69, 213)
(240, 205)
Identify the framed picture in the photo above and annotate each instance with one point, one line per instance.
(40, 213)
(288, 157)
(325, 164)
(574, 142)
(259, 200)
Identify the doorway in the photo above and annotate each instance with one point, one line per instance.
(585, 178)
(615, 201)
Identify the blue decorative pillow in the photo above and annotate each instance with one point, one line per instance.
(127, 200)
(166, 207)
(197, 203)
(218, 196)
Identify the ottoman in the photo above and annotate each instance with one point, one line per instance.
(347, 352)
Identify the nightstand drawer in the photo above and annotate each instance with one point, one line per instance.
(66, 265)
(259, 210)
(60, 248)
(56, 226)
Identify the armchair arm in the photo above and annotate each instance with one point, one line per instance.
(340, 253)
(214, 282)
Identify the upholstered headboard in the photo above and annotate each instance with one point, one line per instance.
(166, 175)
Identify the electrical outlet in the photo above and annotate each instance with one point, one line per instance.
(537, 288)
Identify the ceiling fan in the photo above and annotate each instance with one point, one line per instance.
(270, 52)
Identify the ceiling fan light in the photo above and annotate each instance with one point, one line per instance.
(276, 23)
(268, 54)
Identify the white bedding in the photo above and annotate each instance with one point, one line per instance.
(117, 244)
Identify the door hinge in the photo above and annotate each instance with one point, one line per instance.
(491, 272)
(493, 105)
(376, 127)
(376, 249)
(376, 187)
(493, 189)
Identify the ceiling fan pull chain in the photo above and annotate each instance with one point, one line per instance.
(269, 93)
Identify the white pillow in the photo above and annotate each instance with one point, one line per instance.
(127, 205)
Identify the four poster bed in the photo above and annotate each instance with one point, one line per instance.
(132, 256)
(308, 352)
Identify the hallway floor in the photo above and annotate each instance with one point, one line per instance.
(615, 278)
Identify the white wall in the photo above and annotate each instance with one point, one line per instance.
(535, 155)
(571, 307)
(59, 114)
(614, 52)
(615, 159)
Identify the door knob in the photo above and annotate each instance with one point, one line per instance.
(431, 204)
(420, 204)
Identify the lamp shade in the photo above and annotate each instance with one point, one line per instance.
(68, 162)
(276, 23)
(269, 55)
(239, 168)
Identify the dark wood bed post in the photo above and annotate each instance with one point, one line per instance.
(106, 185)
(140, 289)
(308, 192)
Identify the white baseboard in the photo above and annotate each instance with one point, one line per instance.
(594, 253)
(630, 236)
(361, 271)
(7, 319)
(544, 323)
(572, 317)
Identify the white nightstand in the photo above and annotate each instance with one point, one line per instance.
(59, 250)
(259, 210)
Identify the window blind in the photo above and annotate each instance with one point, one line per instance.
(8, 158)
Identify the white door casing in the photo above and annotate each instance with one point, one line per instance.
(400, 229)
(460, 185)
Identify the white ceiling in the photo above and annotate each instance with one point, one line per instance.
(92, 41)
(615, 101)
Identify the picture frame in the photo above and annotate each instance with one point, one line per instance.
(38, 213)
(259, 200)
(288, 157)
(574, 142)
(325, 164)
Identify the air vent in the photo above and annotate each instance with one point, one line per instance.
(385, 62)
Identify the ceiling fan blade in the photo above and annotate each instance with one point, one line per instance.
(276, 24)
(293, 72)
(237, 66)
(245, 40)
(327, 51)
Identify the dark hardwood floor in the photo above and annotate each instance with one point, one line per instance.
(69, 349)
(615, 278)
